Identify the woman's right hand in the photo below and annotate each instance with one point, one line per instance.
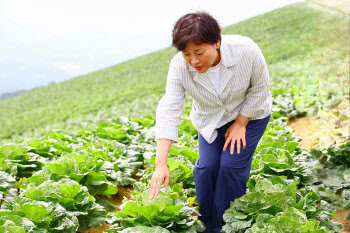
(160, 174)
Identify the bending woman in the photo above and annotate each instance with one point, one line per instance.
(228, 79)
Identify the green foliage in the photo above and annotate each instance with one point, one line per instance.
(292, 220)
(70, 195)
(63, 171)
(139, 228)
(276, 205)
(20, 161)
(180, 171)
(340, 155)
(168, 210)
(331, 175)
(6, 182)
(40, 216)
(90, 161)
(181, 158)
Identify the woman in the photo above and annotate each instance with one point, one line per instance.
(228, 79)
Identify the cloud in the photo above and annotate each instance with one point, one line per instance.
(68, 68)
(41, 76)
(91, 56)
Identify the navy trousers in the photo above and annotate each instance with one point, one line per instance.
(221, 177)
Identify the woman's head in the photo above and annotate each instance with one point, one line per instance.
(198, 36)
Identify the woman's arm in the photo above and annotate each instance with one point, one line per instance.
(168, 116)
(170, 106)
(161, 172)
(254, 104)
(242, 120)
(163, 147)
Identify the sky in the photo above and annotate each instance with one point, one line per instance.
(44, 41)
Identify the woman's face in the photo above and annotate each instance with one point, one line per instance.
(202, 57)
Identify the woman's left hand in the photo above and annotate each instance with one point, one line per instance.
(235, 133)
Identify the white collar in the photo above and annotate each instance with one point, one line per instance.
(214, 68)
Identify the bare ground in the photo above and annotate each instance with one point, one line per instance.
(339, 217)
(326, 129)
(342, 6)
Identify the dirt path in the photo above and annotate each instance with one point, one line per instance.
(342, 6)
(326, 129)
(339, 217)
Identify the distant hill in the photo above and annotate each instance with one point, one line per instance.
(307, 53)
(11, 94)
(18, 92)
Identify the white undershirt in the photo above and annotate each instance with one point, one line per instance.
(214, 75)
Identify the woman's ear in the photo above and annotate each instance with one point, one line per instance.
(217, 44)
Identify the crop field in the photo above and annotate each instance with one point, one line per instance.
(70, 150)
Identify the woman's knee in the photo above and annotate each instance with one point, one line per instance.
(209, 167)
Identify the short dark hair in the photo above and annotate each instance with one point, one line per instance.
(198, 27)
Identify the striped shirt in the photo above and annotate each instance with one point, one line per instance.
(244, 89)
(214, 75)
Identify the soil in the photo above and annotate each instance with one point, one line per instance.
(318, 134)
(339, 217)
(341, 6)
(328, 128)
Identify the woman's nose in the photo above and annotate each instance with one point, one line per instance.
(195, 61)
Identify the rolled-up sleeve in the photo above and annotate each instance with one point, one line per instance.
(255, 101)
(170, 106)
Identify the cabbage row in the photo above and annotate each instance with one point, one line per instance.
(280, 195)
(60, 182)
